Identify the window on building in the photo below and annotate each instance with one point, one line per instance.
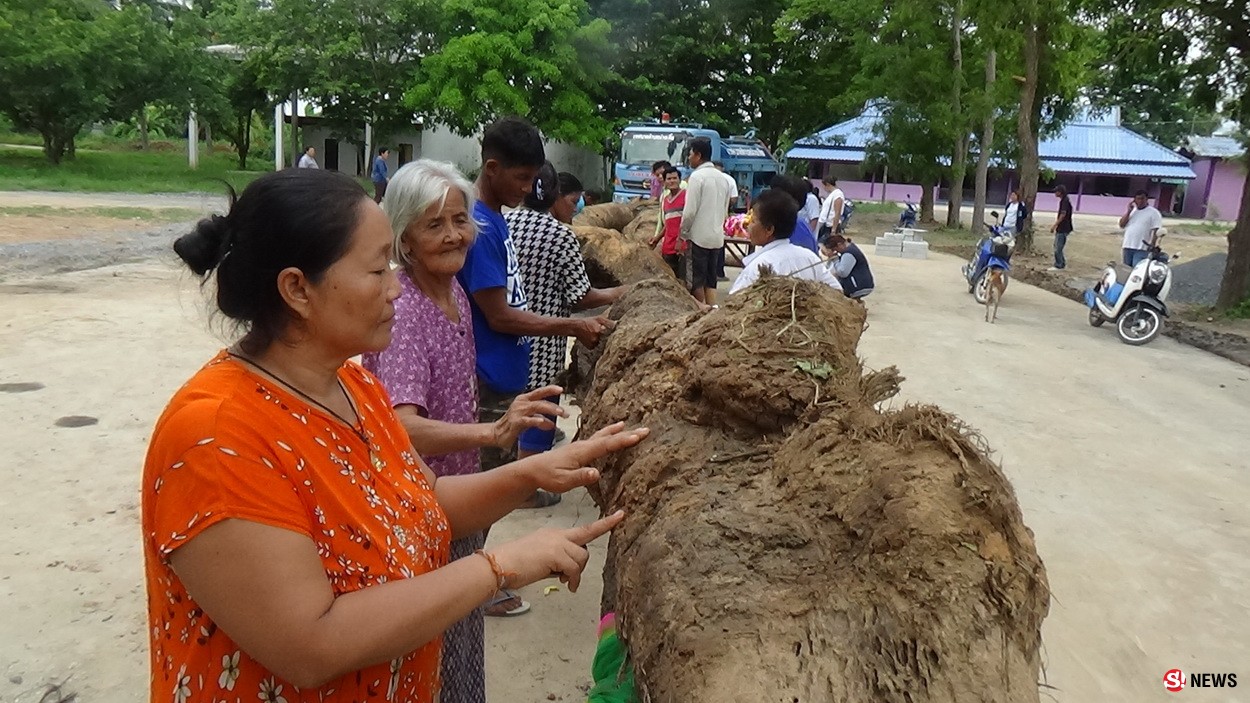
(1114, 186)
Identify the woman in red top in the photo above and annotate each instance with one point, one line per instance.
(296, 547)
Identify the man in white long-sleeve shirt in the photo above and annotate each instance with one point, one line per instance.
(703, 219)
(773, 218)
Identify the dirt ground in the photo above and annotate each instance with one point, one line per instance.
(56, 224)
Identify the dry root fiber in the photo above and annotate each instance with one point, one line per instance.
(608, 215)
(612, 258)
(788, 541)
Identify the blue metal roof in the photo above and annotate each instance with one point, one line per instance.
(1119, 168)
(1091, 144)
(827, 154)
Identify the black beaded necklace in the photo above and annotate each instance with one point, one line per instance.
(357, 428)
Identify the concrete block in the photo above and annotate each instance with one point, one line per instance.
(915, 250)
(888, 250)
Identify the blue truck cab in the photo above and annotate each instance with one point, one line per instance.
(643, 143)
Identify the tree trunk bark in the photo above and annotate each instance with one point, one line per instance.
(295, 150)
(145, 140)
(52, 150)
(987, 142)
(243, 146)
(1026, 130)
(959, 157)
(927, 185)
(1235, 286)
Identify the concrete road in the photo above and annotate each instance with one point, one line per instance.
(1132, 466)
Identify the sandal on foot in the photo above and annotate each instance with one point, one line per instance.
(507, 604)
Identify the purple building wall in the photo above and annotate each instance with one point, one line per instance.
(1216, 193)
(1082, 202)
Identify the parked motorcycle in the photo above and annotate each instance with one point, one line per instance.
(993, 251)
(1137, 306)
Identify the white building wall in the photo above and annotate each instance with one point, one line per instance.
(441, 144)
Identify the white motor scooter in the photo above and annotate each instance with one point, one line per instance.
(1137, 306)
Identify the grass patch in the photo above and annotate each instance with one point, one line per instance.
(1201, 228)
(875, 207)
(174, 214)
(122, 171)
(1240, 311)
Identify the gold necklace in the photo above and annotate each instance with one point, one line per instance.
(358, 430)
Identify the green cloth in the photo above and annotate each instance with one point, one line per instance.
(612, 673)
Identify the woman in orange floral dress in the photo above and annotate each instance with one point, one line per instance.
(296, 548)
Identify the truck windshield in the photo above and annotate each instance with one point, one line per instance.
(649, 147)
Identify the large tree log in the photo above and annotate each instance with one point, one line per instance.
(786, 539)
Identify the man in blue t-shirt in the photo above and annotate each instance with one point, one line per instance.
(512, 153)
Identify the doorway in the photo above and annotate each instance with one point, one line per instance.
(332, 154)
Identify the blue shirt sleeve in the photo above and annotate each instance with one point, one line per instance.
(802, 236)
(379, 170)
(486, 265)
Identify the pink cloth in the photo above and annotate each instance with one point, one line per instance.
(431, 364)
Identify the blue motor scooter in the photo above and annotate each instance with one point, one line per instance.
(994, 251)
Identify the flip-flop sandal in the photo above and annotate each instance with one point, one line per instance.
(507, 604)
(542, 499)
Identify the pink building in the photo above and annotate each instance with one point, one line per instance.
(1221, 169)
(1100, 162)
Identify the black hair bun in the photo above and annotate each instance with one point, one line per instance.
(204, 247)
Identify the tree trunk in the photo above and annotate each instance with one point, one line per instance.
(927, 184)
(243, 145)
(144, 139)
(1026, 130)
(295, 150)
(71, 146)
(53, 150)
(1235, 286)
(987, 143)
(208, 137)
(959, 157)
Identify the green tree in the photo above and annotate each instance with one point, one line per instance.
(163, 67)
(1054, 54)
(234, 99)
(1205, 47)
(776, 65)
(1158, 95)
(54, 79)
(543, 59)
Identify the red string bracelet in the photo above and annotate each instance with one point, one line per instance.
(500, 575)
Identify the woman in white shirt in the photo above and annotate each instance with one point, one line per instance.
(772, 221)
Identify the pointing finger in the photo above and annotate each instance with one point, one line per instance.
(585, 534)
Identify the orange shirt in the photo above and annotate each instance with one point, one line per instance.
(234, 444)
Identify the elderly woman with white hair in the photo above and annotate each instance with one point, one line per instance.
(429, 372)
